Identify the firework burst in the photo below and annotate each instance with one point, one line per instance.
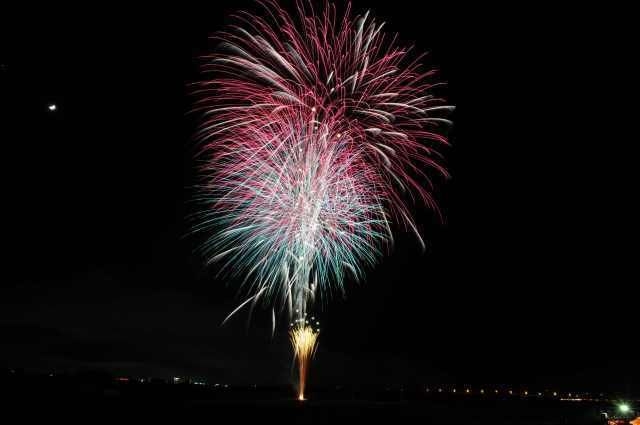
(319, 133)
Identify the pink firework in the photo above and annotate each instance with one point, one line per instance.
(318, 134)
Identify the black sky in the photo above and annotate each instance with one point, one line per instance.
(530, 279)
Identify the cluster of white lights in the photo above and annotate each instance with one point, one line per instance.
(306, 321)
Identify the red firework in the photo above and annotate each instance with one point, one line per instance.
(318, 134)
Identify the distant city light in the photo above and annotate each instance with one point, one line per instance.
(52, 107)
(624, 408)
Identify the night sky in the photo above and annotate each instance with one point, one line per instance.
(530, 278)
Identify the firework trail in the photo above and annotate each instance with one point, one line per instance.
(304, 341)
(319, 134)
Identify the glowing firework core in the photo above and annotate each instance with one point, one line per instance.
(304, 340)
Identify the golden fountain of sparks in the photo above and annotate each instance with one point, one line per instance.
(304, 340)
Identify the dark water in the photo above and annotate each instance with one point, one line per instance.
(425, 412)
(62, 400)
(312, 412)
